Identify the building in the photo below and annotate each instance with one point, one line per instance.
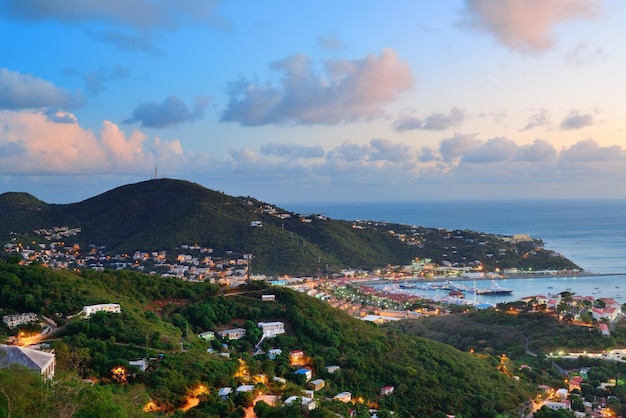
(268, 298)
(343, 397)
(208, 335)
(102, 307)
(273, 353)
(141, 364)
(270, 329)
(307, 404)
(307, 373)
(317, 384)
(232, 334)
(15, 320)
(386, 390)
(38, 361)
(224, 392)
(331, 369)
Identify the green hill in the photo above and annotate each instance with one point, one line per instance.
(430, 378)
(163, 214)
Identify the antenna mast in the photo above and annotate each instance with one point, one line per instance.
(156, 176)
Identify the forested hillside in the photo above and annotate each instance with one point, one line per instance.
(160, 320)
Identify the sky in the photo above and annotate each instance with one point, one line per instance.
(325, 101)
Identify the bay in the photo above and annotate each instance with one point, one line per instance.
(592, 233)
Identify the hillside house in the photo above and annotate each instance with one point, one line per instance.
(141, 364)
(102, 307)
(343, 397)
(15, 320)
(331, 369)
(268, 298)
(224, 393)
(608, 313)
(207, 335)
(273, 353)
(307, 404)
(604, 330)
(271, 329)
(307, 373)
(232, 333)
(245, 388)
(39, 361)
(317, 384)
(386, 390)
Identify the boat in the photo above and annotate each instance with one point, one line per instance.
(407, 285)
(494, 289)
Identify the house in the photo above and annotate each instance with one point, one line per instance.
(102, 307)
(307, 404)
(608, 313)
(245, 388)
(565, 404)
(141, 364)
(317, 384)
(386, 390)
(273, 353)
(207, 335)
(15, 320)
(232, 334)
(574, 382)
(331, 369)
(224, 392)
(281, 381)
(343, 397)
(307, 373)
(268, 298)
(297, 357)
(604, 330)
(38, 361)
(271, 329)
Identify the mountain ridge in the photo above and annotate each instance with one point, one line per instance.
(163, 214)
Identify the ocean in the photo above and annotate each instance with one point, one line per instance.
(591, 233)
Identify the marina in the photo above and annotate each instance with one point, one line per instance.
(598, 286)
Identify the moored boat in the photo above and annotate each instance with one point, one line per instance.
(494, 289)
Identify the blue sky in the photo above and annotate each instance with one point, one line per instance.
(315, 101)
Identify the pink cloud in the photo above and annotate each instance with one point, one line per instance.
(46, 146)
(349, 91)
(526, 25)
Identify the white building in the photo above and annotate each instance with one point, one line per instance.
(38, 361)
(343, 397)
(307, 404)
(102, 307)
(232, 334)
(270, 329)
(15, 320)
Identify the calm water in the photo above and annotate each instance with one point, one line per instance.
(592, 233)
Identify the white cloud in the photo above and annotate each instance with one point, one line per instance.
(576, 120)
(538, 120)
(526, 25)
(292, 150)
(23, 91)
(434, 122)
(349, 91)
(590, 151)
(172, 111)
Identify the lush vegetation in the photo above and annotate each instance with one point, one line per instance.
(163, 214)
(160, 320)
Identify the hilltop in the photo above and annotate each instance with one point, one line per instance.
(162, 214)
(429, 378)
